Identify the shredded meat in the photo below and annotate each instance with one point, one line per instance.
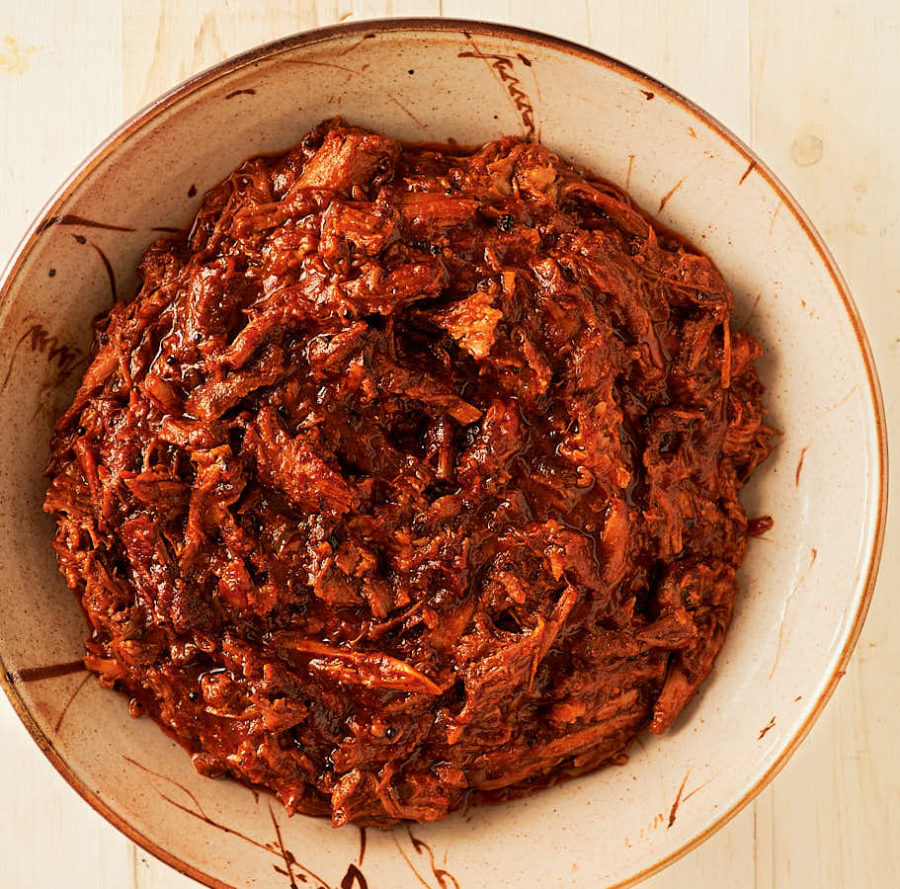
(410, 476)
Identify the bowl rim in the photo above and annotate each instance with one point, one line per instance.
(486, 29)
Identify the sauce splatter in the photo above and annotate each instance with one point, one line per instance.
(50, 671)
(65, 709)
(110, 274)
(72, 219)
(760, 525)
(670, 192)
(502, 68)
(171, 781)
(673, 812)
(38, 339)
(800, 465)
(354, 878)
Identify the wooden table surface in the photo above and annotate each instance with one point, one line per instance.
(812, 85)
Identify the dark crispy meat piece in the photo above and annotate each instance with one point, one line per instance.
(410, 477)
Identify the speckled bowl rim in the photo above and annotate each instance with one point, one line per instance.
(487, 29)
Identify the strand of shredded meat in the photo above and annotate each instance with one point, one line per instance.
(410, 476)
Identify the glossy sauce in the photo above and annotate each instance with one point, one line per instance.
(410, 476)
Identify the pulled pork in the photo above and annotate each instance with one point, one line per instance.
(410, 476)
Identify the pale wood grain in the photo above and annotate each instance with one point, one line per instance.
(700, 48)
(826, 90)
(53, 107)
(166, 41)
(53, 110)
(782, 75)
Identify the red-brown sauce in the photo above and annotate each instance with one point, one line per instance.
(410, 476)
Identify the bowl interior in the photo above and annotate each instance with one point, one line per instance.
(803, 582)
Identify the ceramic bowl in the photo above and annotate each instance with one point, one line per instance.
(805, 585)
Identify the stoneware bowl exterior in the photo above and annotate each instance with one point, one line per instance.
(805, 585)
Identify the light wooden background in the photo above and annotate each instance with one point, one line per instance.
(813, 85)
